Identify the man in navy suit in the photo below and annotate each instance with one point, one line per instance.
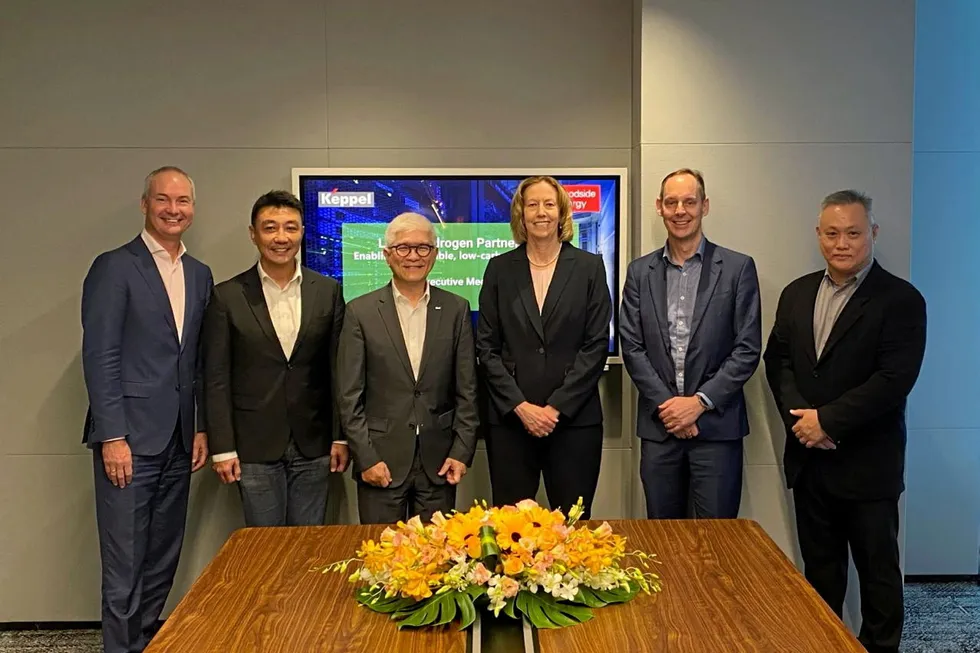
(691, 337)
(142, 305)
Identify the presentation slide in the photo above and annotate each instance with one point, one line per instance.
(346, 219)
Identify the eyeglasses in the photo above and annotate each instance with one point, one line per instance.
(403, 251)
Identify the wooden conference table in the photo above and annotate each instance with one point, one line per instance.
(727, 587)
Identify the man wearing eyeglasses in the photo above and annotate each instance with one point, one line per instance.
(406, 384)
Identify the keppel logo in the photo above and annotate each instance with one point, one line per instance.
(585, 197)
(352, 199)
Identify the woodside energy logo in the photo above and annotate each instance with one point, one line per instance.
(585, 197)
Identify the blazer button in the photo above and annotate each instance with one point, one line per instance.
(289, 366)
(540, 350)
(816, 374)
(411, 426)
(418, 393)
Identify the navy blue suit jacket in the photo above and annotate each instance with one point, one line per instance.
(723, 352)
(138, 375)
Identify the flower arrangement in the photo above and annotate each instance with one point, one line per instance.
(519, 559)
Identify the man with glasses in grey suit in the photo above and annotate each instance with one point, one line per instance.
(406, 384)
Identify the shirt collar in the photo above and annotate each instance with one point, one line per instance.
(856, 279)
(399, 297)
(699, 253)
(156, 248)
(297, 275)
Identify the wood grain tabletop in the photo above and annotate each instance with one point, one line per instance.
(727, 587)
(260, 595)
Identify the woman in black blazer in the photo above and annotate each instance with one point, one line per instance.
(542, 341)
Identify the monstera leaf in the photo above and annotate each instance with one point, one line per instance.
(544, 611)
(436, 610)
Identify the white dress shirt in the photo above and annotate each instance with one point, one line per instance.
(172, 273)
(412, 320)
(285, 306)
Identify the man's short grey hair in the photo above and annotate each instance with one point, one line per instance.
(846, 197)
(159, 171)
(408, 222)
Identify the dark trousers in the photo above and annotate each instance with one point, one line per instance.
(417, 495)
(141, 530)
(291, 491)
(827, 526)
(569, 459)
(703, 475)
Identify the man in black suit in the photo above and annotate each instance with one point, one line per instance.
(406, 384)
(270, 346)
(843, 355)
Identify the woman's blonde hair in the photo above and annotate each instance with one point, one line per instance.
(565, 225)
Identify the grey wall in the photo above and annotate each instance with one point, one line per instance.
(761, 97)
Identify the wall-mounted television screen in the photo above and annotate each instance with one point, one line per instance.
(346, 213)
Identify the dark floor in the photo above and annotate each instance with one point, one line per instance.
(939, 618)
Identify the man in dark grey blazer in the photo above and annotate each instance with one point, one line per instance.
(270, 346)
(406, 384)
(691, 337)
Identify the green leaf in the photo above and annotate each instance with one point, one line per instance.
(447, 610)
(509, 609)
(476, 591)
(537, 616)
(544, 611)
(425, 615)
(587, 596)
(618, 595)
(467, 613)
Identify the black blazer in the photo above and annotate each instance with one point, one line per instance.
(859, 385)
(553, 357)
(254, 397)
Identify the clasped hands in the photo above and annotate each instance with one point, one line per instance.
(680, 416)
(539, 421)
(808, 431)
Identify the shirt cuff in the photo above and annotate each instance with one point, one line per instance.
(343, 442)
(704, 397)
(114, 439)
(222, 457)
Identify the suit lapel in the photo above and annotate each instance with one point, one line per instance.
(710, 273)
(563, 272)
(151, 274)
(852, 312)
(806, 328)
(433, 322)
(389, 317)
(256, 301)
(658, 290)
(308, 294)
(526, 289)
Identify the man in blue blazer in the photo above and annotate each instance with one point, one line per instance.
(142, 305)
(691, 337)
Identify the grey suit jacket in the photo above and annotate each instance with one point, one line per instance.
(723, 352)
(381, 404)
